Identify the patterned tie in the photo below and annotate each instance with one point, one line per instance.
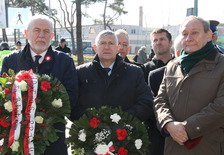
(107, 70)
(37, 57)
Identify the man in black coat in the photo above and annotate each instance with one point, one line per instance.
(154, 81)
(161, 41)
(108, 80)
(39, 34)
(124, 48)
(213, 27)
(63, 48)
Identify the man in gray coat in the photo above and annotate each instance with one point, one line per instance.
(142, 56)
(189, 106)
(108, 80)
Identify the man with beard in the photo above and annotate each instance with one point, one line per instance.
(161, 41)
(41, 58)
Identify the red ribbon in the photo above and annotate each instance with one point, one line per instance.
(27, 114)
(14, 116)
(111, 149)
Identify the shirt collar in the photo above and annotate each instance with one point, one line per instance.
(33, 54)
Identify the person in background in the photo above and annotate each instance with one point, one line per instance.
(4, 51)
(142, 56)
(155, 79)
(161, 41)
(39, 56)
(213, 27)
(123, 42)
(62, 47)
(123, 48)
(189, 105)
(108, 80)
(151, 54)
(18, 45)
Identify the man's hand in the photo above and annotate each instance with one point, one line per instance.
(177, 132)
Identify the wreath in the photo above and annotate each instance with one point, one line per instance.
(30, 105)
(108, 131)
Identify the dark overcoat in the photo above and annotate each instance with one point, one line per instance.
(125, 87)
(59, 65)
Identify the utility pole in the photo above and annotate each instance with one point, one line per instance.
(196, 7)
(49, 9)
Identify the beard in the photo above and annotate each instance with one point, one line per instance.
(39, 47)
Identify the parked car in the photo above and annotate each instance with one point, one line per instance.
(88, 50)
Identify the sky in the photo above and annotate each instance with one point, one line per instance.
(158, 13)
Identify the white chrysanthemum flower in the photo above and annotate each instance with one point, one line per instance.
(82, 135)
(138, 143)
(39, 119)
(8, 106)
(101, 149)
(115, 118)
(15, 146)
(47, 77)
(57, 103)
(23, 86)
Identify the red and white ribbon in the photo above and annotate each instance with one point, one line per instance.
(30, 116)
(16, 99)
(111, 149)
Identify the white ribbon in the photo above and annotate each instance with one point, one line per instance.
(32, 115)
(19, 109)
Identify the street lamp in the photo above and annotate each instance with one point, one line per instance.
(196, 7)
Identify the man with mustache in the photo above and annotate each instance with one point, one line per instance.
(39, 56)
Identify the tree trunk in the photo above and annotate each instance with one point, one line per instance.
(15, 35)
(5, 39)
(73, 41)
(55, 34)
(79, 32)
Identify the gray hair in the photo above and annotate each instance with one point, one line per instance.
(205, 23)
(105, 33)
(123, 33)
(38, 17)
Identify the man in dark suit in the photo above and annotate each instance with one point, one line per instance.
(213, 27)
(154, 81)
(124, 47)
(161, 41)
(62, 47)
(107, 80)
(39, 56)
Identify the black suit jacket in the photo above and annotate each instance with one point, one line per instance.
(155, 78)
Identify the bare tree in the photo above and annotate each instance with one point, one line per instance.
(68, 20)
(79, 32)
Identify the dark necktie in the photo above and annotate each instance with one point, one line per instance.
(107, 70)
(37, 57)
